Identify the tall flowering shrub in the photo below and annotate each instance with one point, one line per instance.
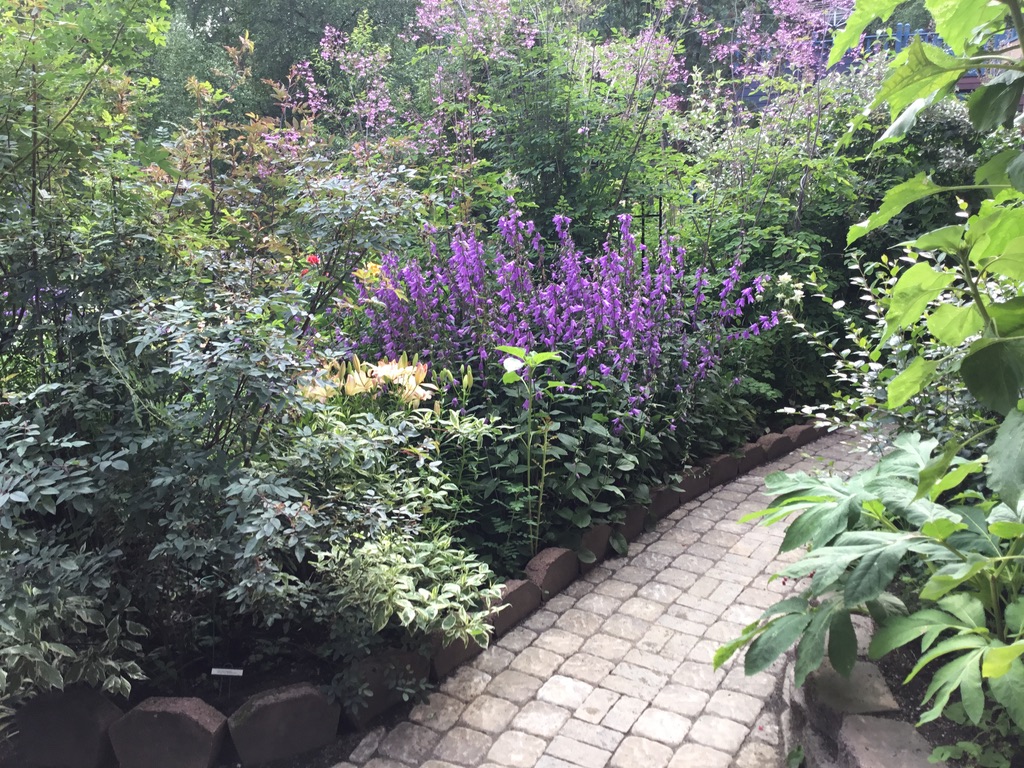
(627, 314)
(622, 348)
(772, 37)
(483, 98)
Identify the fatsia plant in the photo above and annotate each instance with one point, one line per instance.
(863, 531)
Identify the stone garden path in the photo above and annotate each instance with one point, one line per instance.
(616, 670)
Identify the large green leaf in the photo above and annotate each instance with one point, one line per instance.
(991, 232)
(915, 289)
(994, 170)
(952, 325)
(1015, 172)
(1013, 617)
(1008, 317)
(1010, 261)
(993, 371)
(874, 573)
(951, 576)
(819, 524)
(810, 651)
(999, 660)
(1006, 460)
(863, 14)
(895, 200)
(945, 239)
(961, 642)
(996, 103)
(959, 22)
(964, 673)
(911, 381)
(842, 643)
(774, 641)
(967, 608)
(900, 630)
(919, 72)
(1008, 690)
(942, 528)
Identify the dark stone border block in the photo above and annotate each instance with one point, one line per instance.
(283, 722)
(553, 569)
(775, 446)
(519, 599)
(169, 732)
(633, 524)
(596, 539)
(721, 469)
(67, 729)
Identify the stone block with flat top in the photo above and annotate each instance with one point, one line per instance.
(168, 732)
(552, 570)
(282, 723)
(519, 598)
(67, 729)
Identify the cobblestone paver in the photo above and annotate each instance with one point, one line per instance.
(617, 670)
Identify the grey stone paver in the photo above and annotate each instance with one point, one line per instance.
(616, 672)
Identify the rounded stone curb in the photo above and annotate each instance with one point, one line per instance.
(519, 599)
(634, 523)
(776, 445)
(553, 569)
(721, 469)
(596, 540)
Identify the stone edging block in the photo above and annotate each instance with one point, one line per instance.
(722, 469)
(283, 722)
(519, 598)
(750, 455)
(448, 657)
(377, 674)
(633, 524)
(801, 434)
(664, 502)
(553, 569)
(596, 539)
(169, 732)
(775, 446)
(694, 482)
(67, 729)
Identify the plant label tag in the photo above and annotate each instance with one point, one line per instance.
(223, 672)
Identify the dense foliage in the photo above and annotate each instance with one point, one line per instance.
(939, 524)
(298, 353)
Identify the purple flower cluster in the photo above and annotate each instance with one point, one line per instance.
(757, 49)
(626, 314)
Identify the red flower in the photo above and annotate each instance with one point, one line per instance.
(313, 259)
(304, 273)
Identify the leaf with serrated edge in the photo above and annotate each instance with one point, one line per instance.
(1008, 690)
(1006, 459)
(998, 660)
(774, 641)
(810, 651)
(842, 643)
